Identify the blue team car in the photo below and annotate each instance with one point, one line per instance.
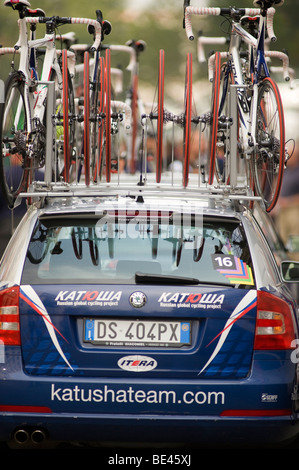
(135, 318)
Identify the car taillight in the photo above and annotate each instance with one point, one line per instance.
(275, 327)
(9, 317)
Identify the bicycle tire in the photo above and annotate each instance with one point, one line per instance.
(86, 124)
(65, 107)
(187, 120)
(108, 114)
(160, 118)
(134, 107)
(14, 173)
(98, 107)
(68, 107)
(269, 153)
(214, 116)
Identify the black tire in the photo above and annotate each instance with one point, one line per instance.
(68, 122)
(14, 169)
(269, 155)
(187, 121)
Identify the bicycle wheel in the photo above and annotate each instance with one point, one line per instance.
(97, 102)
(86, 143)
(108, 114)
(134, 106)
(14, 172)
(269, 154)
(99, 164)
(215, 119)
(187, 120)
(68, 107)
(160, 120)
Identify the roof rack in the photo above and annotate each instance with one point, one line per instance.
(130, 186)
(143, 182)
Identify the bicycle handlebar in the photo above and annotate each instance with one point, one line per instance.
(217, 11)
(124, 48)
(133, 48)
(203, 40)
(57, 20)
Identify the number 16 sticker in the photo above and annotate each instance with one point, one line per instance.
(224, 262)
(233, 268)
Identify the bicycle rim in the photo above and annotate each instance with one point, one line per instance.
(134, 106)
(187, 120)
(269, 155)
(14, 173)
(160, 116)
(86, 148)
(65, 105)
(108, 114)
(214, 116)
(100, 126)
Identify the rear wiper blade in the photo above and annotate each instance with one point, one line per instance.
(144, 278)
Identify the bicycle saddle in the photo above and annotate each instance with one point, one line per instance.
(269, 3)
(14, 3)
(38, 12)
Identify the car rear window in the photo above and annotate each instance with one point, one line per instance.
(114, 247)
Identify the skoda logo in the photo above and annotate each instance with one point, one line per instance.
(138, 299)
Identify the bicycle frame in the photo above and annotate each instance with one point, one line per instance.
(35, 101)
(36, 108)
(258, 69)
(257, 60)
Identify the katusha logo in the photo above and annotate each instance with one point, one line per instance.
(191, 300)
(137, 363)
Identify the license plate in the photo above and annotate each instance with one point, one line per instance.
(137, 333)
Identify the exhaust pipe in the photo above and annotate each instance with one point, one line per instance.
(38, 436)
(21, 436)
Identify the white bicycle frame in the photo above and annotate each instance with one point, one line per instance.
(35, 101)
(248, 117)
(50, 62)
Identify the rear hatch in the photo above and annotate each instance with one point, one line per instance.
(167, 294)
(157, 331)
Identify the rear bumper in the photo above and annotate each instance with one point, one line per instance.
(151, 429)
(146, 409)
(123, 413)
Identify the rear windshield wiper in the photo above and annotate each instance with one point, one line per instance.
(144, 278)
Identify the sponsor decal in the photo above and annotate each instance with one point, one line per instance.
(191, 300)
(137, 363)
(137, 299)
(268, 398)
(104, 298)
(129, 394)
